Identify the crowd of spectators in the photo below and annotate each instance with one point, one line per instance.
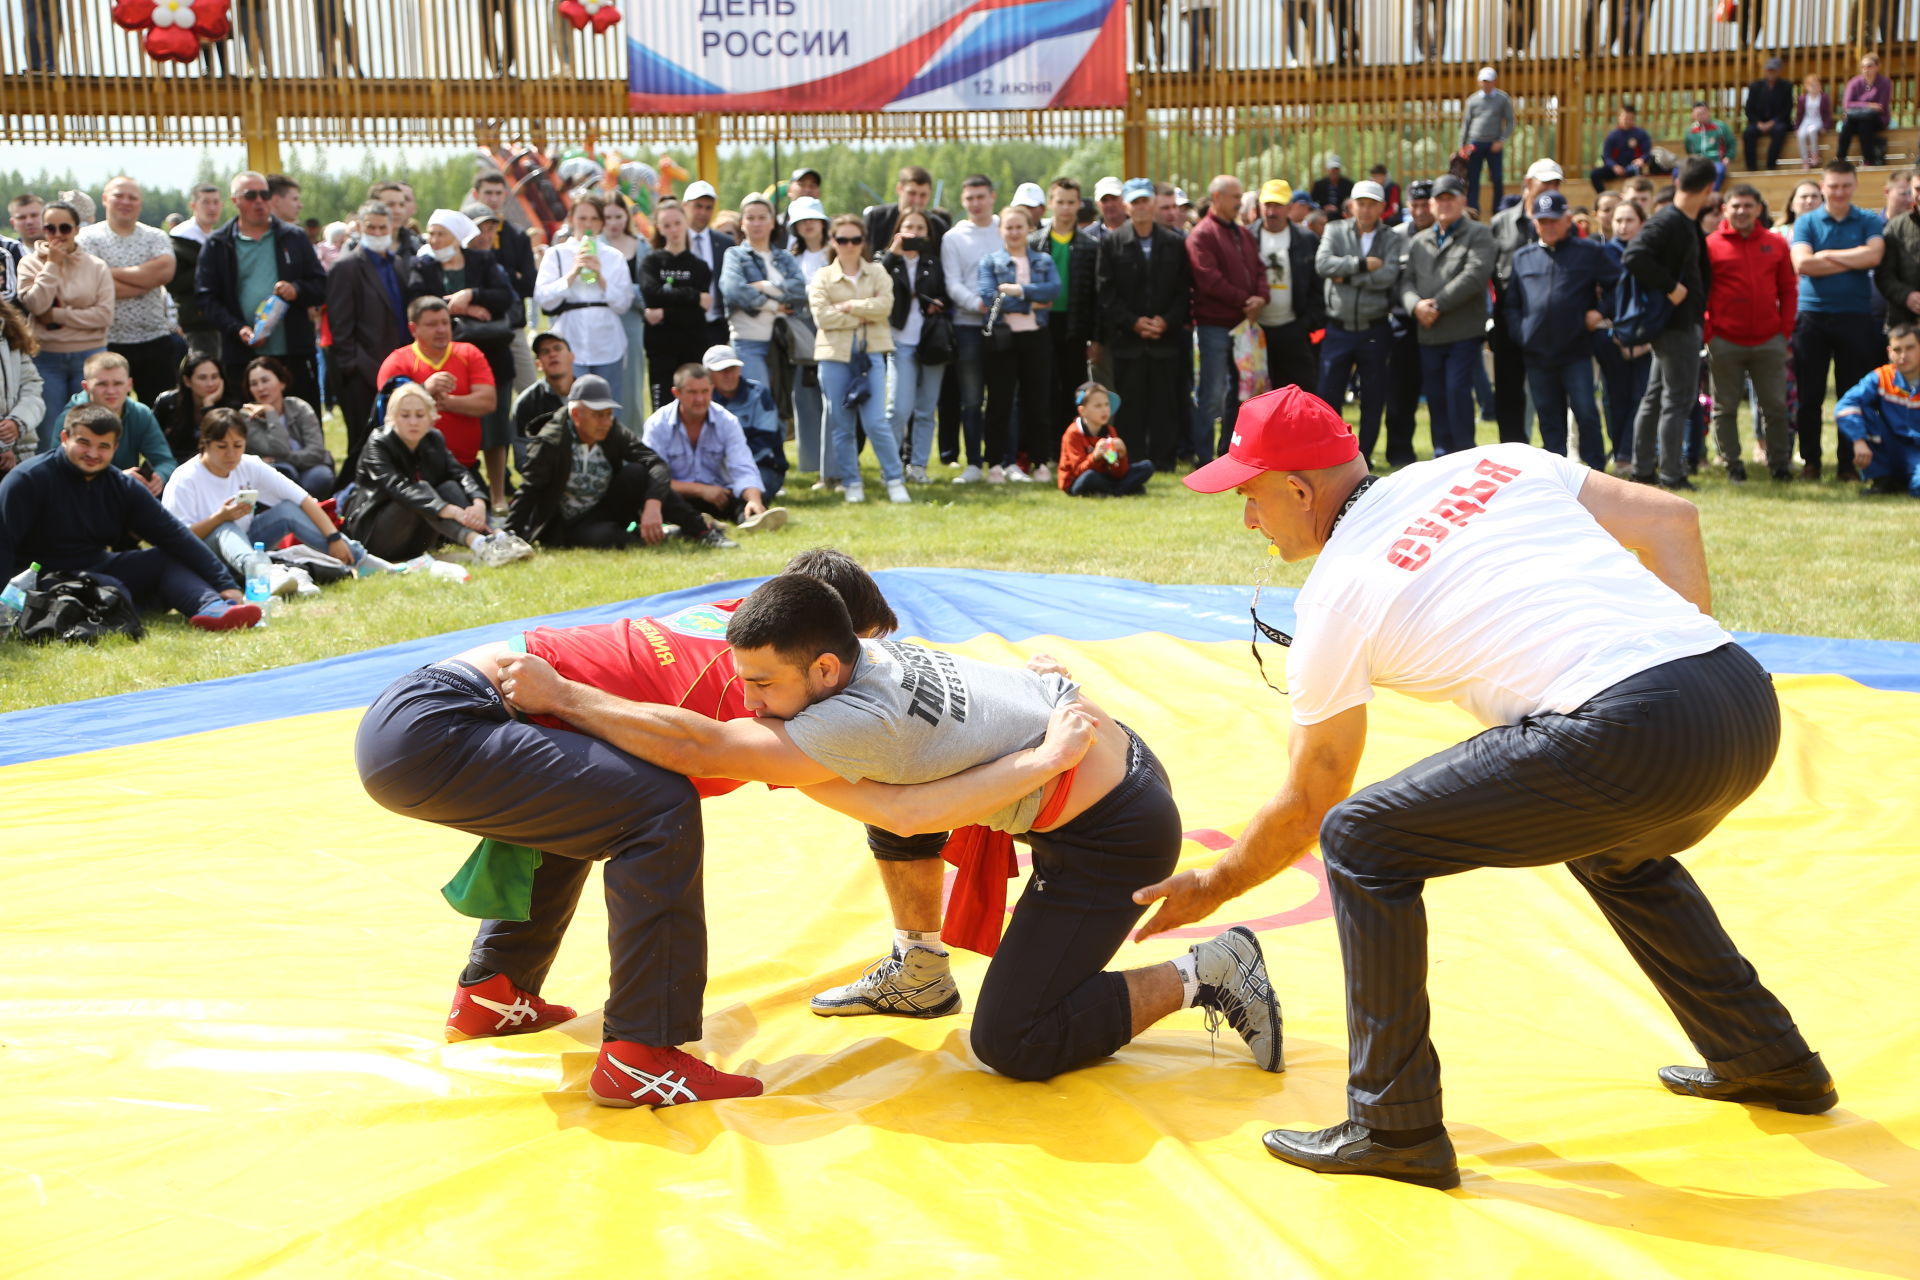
(637, 380)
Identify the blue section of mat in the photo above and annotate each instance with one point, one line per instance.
(945, 605)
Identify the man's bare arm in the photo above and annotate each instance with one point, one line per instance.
(1662, 528)
(1322, 759)
(971, 796)
(682, 741)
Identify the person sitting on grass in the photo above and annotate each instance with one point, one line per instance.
(106, 381)
(284, 431)
(231, 499)
(64, 509)
(202, 386)
(1093, 460)
(752, 404)
(410, 494)
(590, 482)
(707, 452)
(1880, 417)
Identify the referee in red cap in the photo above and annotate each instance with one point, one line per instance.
(1568, 612)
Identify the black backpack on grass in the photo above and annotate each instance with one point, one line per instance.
(74, 606)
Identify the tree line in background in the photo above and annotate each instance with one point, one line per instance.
(851, 178)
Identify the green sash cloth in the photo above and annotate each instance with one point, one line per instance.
(495, 883)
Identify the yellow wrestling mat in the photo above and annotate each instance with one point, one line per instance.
(221, 1038)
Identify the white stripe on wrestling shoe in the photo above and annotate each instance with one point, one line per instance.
(511, 1015)
(670, 1087)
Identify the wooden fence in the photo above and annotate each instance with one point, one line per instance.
(1259, 87)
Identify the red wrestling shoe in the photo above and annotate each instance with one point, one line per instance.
(639, 1075)
(498, 1008)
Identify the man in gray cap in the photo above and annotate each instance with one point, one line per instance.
(590, 482)
(1769, 114)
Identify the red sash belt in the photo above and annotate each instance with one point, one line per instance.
(983, 861)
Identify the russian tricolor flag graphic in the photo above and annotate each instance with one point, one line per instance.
(874, 55)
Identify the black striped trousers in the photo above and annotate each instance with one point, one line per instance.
(1614, 790)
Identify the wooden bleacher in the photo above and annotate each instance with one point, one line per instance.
(1776, 184)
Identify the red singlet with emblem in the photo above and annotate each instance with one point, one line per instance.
(681, 660)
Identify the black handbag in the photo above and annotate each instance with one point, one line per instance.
(482, 333)
(1862, 117)
(77, 607)
(795, 334)
(936, 339)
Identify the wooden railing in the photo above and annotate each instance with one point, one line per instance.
(1256, 86)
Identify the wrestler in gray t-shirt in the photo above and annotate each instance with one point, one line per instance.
(913, 714)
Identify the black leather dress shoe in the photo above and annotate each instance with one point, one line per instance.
(1350, 1148)
(1804, 1088)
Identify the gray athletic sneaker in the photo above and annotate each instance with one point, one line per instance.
(916, 985)
(1234, 987)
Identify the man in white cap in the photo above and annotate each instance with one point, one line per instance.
(1485, 125)
(1359, 260)
(1113, 209)
(1513, 231)
(1566, 610)
(711, 246)
(752, 403)
(1030, 197)
(1332, 191)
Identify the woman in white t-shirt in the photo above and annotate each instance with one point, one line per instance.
(209, 494)
(585, 286)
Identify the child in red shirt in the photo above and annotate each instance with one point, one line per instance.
(1093, 460)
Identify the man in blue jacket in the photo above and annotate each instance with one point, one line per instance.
(1627, 151)
(1879, 418)
(64, 509)
(1561, 291)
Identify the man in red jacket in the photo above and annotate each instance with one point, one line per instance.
(1752, 298)
(1229, 289)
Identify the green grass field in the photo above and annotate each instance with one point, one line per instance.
(1811, 559)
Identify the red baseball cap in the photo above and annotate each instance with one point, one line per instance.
(1284, 430)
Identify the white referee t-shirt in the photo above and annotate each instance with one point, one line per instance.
(1479, 579)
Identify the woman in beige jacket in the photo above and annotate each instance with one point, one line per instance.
(852, 300)
(69, 295)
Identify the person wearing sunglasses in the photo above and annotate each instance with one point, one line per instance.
(69, 295)
(852, 300)
(253, 258)
(1568, 612)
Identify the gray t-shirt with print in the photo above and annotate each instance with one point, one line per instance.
(913, 714)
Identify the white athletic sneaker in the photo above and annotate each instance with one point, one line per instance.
(1018, 475)
(766, 522)
(972, 475)
(281, 582)
(826, 486)
(1043, 474)
(494, 550)
(916, 475)
(997, 475)
(915, 985)
(897, 491)
(855, 493)
(1234, 988)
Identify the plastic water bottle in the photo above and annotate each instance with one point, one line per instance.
(13, 597)
(260, 580)
(588, 275)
